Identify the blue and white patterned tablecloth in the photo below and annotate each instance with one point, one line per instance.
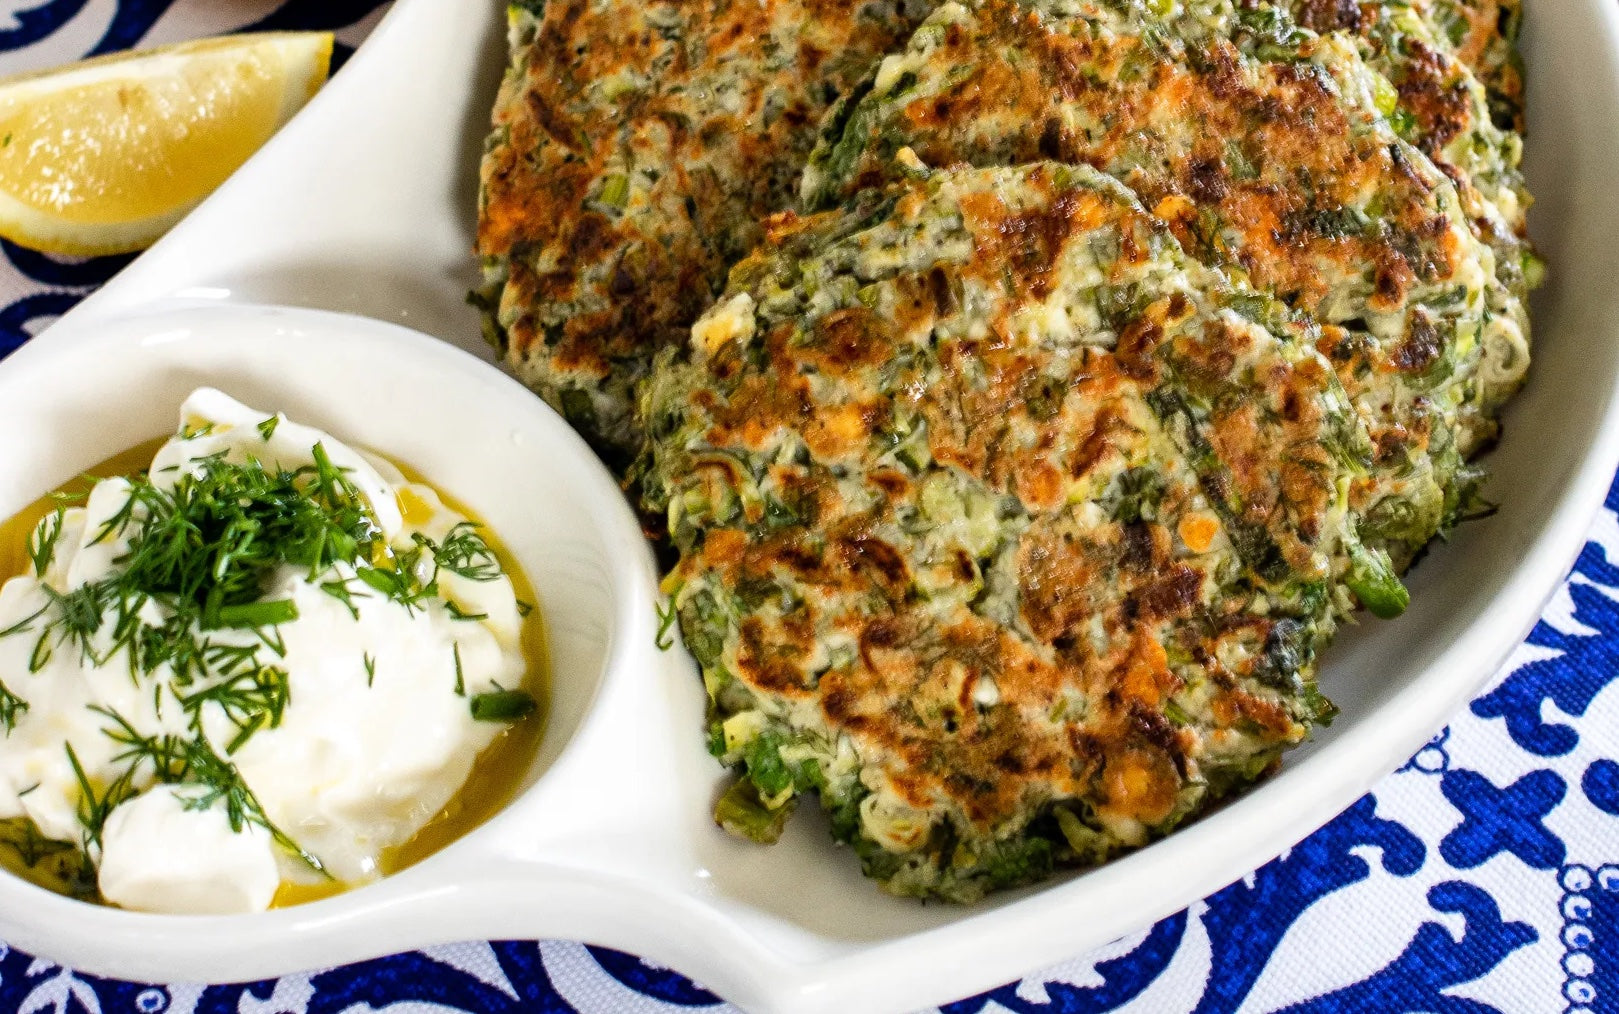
(1482, 876)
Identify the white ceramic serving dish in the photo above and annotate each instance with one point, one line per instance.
(364, 204)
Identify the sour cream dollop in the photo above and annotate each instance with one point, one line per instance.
(357, 731)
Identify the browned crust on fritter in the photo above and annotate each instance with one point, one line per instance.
(1435, 96)
(1488, 54)
(1481, 47)
(1309, 159)
(907, 697)
(715, 112)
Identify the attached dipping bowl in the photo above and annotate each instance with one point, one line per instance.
(93, 389)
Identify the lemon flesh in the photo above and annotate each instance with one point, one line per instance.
(104, 156)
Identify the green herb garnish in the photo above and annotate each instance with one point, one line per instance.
(23, 837)
(503, 706)
(23, 624)
(666, 623)
(458, 613)
(341, 591)
(11, 707)
(203, 554)
(399, 582)
(465, 553)
(249, 700)
(95, 808)
(256, 614)
(42, 540)
(173, 760)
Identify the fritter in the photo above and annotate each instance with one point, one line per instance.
(637, 144)
(1438, 104)
(1268, 151)
(1003, 525)
(1483, 34)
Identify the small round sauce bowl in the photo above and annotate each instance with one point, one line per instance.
(91, 390)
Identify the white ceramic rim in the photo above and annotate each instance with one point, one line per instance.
(717, 943)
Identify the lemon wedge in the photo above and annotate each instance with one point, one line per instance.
(105, 155)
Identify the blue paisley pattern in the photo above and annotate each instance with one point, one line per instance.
(29, 25)
(1480, 878)
(57, 285)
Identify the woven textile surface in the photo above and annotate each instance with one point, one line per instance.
(1481, 876)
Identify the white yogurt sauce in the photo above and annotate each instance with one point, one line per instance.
(377, 734)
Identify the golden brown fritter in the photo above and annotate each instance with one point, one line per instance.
(637, 146)
(1268, 152)
(1438, 105)
(1002, 524)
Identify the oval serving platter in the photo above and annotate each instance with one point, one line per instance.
(364, 204)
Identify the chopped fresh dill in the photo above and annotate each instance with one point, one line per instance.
(198, 554)
(225, 660)
(22, 624)
(194, 591)
(77, 617)
(250, 701)
(31, 847)
(271, 636)
(95, 808)
(399, 581)
(341, 591)
(220, 781)
(255, 615)
(11, 707)
(456, 612)
(176, 760)
(62, 864)
(189, 432)
(42, 540)
(41, 655)
(465, 553)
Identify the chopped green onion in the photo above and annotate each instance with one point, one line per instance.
(1372, 579)
(740, 812)
(257, 614)
(503, 706)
